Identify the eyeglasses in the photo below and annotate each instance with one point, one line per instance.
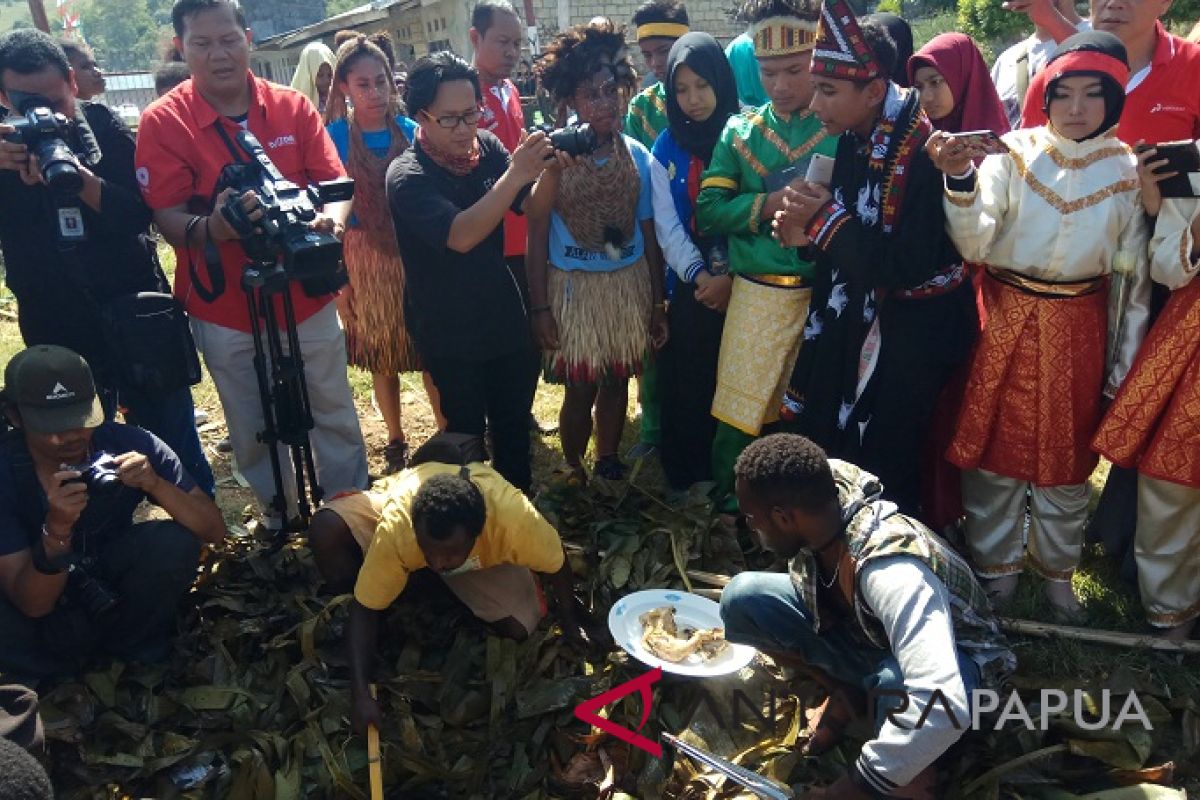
(452, 121)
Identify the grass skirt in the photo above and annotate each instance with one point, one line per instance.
(377, 339)
(603, 325)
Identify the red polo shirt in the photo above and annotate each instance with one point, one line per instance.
(180, 155)
(503, 116)
(1163, 107)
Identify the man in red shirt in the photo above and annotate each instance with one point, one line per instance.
(181, 151)
(496, 36)
(1162, 103)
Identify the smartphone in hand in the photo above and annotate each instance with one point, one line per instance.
(1183, 158)
(820, 170)
(981, 143)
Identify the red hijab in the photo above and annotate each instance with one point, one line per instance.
(977, 107)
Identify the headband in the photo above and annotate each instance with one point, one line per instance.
(783, 36)
(669, 30)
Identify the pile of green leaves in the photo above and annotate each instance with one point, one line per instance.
(254, 701)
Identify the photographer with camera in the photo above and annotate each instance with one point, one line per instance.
(462, 302)
(77, 576)
(186, 141)
(77, 249)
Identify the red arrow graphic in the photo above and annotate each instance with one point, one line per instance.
(641, 684)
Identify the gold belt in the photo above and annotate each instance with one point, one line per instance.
(782, 281)
(1047, 288)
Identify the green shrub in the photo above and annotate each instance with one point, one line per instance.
(989, 24)
(1184, 14)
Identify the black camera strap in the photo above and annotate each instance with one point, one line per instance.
(212, 256)
(233, 149)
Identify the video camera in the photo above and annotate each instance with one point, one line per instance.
(283, 234)
(45, 132)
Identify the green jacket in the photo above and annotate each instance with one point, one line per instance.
(733, 189)
(876, 529)
(647, 115)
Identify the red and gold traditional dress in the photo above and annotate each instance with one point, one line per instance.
(1154, 425)
(1059, 225)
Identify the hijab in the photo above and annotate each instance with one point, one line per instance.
(902, 35)
(704, 56)
(1094, 53)
(977, 106)
(312, 57)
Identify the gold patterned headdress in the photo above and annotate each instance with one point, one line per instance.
(783, 36)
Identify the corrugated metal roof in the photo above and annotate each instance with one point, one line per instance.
(370, 12)
(127, 81)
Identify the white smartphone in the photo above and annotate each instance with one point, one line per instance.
(820, 170)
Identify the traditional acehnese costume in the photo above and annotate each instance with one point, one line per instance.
(1056, 221)
(647, 115)
(1154, 425)
(758, 152)
(893, 312)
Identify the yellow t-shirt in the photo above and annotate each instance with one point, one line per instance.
(513, 533)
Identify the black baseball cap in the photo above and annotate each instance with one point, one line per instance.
(53, 389)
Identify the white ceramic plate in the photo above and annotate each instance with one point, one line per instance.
(691, 611)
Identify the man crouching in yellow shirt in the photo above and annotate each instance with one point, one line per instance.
(465, 523)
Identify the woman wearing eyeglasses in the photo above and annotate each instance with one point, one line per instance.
(595, 274)
(463, 307)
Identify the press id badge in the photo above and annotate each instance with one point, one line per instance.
(70, 225)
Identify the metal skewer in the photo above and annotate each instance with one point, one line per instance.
(760, 785)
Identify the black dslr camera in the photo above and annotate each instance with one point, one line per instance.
(283, 234)
(96, 596)
(100, 476)
(574, 140)
(45, 132)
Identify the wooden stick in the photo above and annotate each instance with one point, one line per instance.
(374, 760)
(37, 10)
(1115, 638)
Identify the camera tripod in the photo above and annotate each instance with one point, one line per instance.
(282, 389)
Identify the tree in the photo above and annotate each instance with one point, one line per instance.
(993, 28)
(123, 34)
(989, 24)
(334, 7)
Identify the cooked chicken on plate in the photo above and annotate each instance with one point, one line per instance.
(665, 639)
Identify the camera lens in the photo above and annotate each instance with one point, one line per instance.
(575, 140)
(59, 166)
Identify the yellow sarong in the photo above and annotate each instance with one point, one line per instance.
(764, 327)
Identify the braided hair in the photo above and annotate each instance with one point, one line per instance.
(348, 54)
(575, 55)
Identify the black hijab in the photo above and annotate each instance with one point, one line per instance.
(704, 56)
(902, 35)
